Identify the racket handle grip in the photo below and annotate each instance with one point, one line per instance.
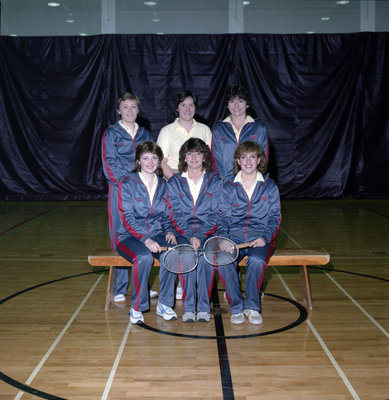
(164, 248)
(243, 245)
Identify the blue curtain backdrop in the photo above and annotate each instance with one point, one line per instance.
(323, 98)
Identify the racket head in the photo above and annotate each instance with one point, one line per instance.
(219, 250)
(180, 259)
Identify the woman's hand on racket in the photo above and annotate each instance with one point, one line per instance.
(195, 243)
(171, 238)
(226, 246)
(152, 245)
(259, 242)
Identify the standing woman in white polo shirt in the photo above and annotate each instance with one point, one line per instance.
(173, 136)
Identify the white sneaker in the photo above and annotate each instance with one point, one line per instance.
(119, 298)
(203, 316)
(179, 292)
(237, 318)
(189, 316)
(254, 316)
(166, 312)
(153, 294)
(136, 316)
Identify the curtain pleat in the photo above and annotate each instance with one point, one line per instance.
(323, 98)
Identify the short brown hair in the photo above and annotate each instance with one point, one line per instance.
(148, 147)
(250, 147)
(184, 94)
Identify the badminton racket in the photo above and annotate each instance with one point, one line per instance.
(180, 259)
(217, 251)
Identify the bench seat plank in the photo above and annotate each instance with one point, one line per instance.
(283, 256)
(292, 256)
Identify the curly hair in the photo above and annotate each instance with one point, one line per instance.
(237, 91)
(148, 147)
(195, 144)
(250, 147)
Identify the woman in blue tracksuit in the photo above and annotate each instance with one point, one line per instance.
(238, 127)
(145, 227)
(118, 156)
(193, 198)
(250, 212)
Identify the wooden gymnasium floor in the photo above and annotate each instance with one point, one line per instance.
(56, 340)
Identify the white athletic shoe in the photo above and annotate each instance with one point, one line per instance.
(153, 294)
(119, 298)
(237, 318)
(166, 312)
(203, 316)
(189, 316)
(254, 316)
(136, 316)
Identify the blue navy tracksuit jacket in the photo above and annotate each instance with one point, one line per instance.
(224, 144)
(118, 157)
(243, 219)
(195, 219)
(141, 219)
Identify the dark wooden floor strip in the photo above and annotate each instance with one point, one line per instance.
(24, 222)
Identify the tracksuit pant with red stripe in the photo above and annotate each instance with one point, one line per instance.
(255, 269)
(142, 260)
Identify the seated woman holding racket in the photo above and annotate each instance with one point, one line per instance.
(250, 212)
(193, 197)
(145, 226)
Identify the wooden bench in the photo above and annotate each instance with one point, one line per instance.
(295, 257)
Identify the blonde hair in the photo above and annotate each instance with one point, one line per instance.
(128, 96)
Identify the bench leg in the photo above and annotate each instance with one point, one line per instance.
(306, 286)
(110, 287)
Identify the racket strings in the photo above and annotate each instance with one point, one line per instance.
(220, 251)
(217, 251)
(180, 259)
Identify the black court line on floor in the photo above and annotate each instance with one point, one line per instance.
(19, 385)
(224, 364)
(224, 372)
(303, 314)
(24, 222)
(350, 273)
(377, 212)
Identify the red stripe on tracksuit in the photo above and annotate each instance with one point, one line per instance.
(135, 272)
